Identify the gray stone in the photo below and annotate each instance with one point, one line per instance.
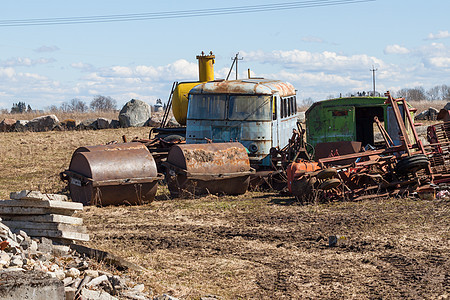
(46, 245)
(139, 288)
(21, 125)
(92, 273)
(96, 295)
(134, 113)
(135, 295)
(43, 123)
(154, 121)
(7, 125)
(73, 272)
(97, 281)
(114, 124)
(16, 261)
(4, 259)
(89, 124)
(103, 123)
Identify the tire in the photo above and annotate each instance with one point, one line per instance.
(412, 164)
(327, 173)
(329, 184)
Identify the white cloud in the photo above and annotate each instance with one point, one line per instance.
(314, 61)
(82, 66)
(46, 49)
(440, 62)
(440, 35)
(25, 62)
(395, 49)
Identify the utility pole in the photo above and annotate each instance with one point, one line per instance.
(235, 61)
(373, 70)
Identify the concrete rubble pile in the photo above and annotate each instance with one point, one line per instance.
(33, 266)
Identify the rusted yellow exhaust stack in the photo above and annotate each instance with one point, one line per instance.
(181, 93)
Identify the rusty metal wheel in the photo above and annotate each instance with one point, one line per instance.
(329, 184)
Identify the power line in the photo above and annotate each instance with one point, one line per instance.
(178, 14)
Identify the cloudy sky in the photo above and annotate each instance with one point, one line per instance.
(322, 47)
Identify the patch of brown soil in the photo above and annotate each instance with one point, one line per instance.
(249, 247)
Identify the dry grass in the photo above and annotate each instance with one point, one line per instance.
(113, 115)
(33, 160)
(424, 105)
(255, 246)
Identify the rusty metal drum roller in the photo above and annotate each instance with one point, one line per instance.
(112, 174)
(208, 168)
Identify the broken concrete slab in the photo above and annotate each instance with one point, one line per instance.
(30, 285)
(25, 225)
(63, 205)
(36, 195)
(68, 235)
(45, 218)
(17, 210)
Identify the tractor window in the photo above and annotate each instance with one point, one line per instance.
(251, 108)
(207, 107)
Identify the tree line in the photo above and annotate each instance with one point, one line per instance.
(99, 103)
(438, 92)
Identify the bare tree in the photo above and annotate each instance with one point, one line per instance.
(74, 105)
(53, 108)
(103, 103)
(414, 94)
(438, 92)
(78, 105)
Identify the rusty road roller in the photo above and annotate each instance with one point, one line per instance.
(217, 168)
(112, 174)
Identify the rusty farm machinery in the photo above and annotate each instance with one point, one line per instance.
(238, 134)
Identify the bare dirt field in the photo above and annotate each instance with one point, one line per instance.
(257, 246)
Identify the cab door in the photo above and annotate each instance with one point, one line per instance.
(340, 124)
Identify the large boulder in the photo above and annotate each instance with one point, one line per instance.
(7, 125)
(103, 123)
(89, 124)
(134, 113)
(21, 125)
(114, 124)
(69, 124)
(43, 123)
